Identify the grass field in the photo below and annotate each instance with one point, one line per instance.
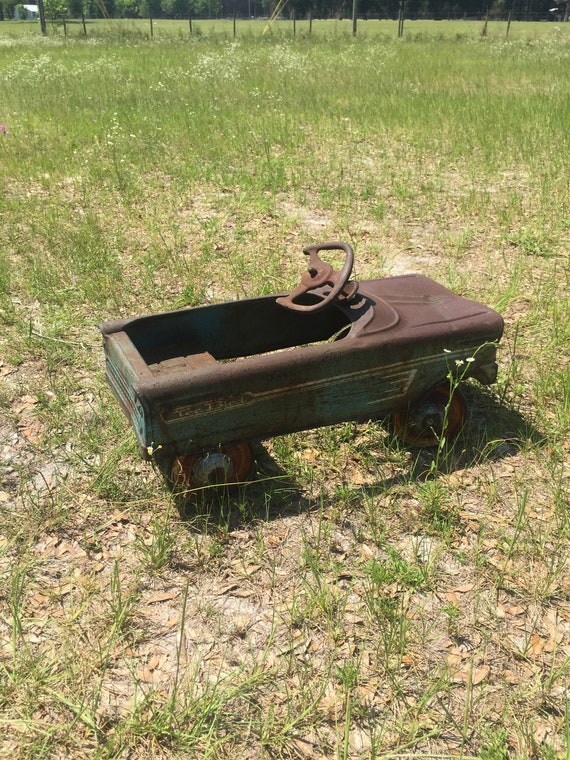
(415, 29)
(360, 599)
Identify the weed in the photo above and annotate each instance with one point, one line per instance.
(156, 549)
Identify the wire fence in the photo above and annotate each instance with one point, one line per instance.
(501, 23)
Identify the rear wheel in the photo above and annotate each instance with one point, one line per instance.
(441, 413)
(226, 465)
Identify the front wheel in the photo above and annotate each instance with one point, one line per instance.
(226, 465)
(439, 414)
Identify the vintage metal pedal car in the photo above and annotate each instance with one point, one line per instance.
(199, 384)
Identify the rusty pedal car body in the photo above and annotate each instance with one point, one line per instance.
(198, 384)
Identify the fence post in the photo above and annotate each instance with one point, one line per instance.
(42, 12)
(401, 20)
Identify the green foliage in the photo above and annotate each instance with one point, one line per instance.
(397, 571)
(127, 8)
(150, 8)
(55, 8)
(176, 8)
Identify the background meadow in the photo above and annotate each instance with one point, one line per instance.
(360, 599)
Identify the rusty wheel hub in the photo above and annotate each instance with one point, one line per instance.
(441, 413)
(227, 465)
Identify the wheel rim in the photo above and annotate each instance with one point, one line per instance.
(227, 465)
(440, 413)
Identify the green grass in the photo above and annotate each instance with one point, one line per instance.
(360, 599)
(426, 30)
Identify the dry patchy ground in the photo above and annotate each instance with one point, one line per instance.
(345, 605)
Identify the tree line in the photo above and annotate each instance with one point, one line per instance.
(516, 10)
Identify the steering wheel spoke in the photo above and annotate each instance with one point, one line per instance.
(320, 279)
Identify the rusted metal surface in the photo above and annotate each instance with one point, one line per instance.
(196, 378)
(225, 464)
(440, 413)
(321, 278)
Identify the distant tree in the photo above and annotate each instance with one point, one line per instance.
(150, 8)
(560, 10)
(76, 8)
(55, 8)
(127, 8)
(206, 8)
(100, 8)
(7, 10)
(429, 9)
(175, 8)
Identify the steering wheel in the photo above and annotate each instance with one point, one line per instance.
(321, 279)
